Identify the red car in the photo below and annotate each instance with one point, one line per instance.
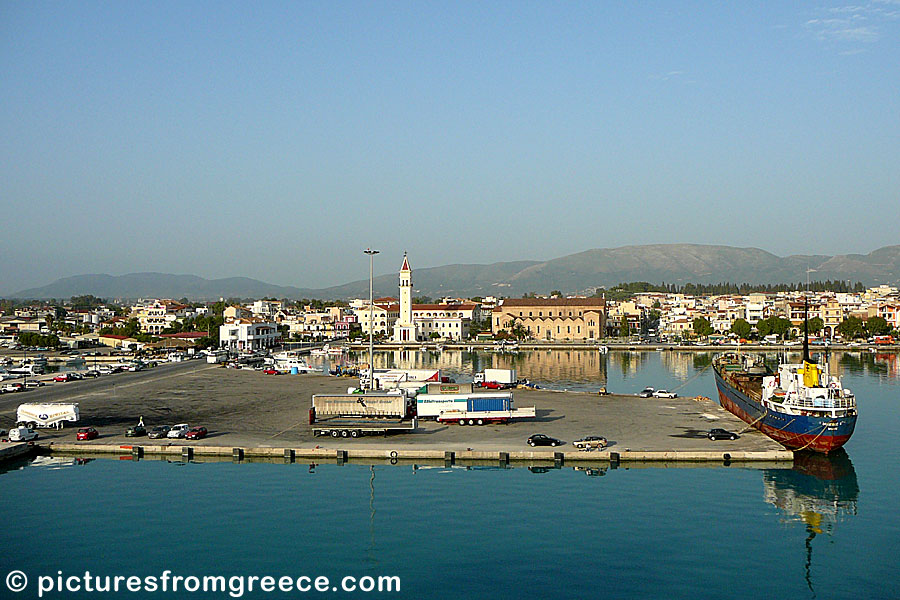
(270, 372)
(87, 433)
(493, 385)
(196, 433)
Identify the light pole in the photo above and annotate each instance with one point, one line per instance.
(371, 254)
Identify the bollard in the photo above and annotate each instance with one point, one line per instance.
(558, 459)
(504, 458)
(237, 454)
(187, 453)
(449, 458)
(613, 460)
(288, 455)
(341, 457)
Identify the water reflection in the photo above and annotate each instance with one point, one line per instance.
(590, 366)
(819, 491)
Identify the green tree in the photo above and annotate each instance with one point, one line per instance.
(702, 327)
(815, 325)
(741, 328)
(556, 293)
(877, 326)
(852, 328)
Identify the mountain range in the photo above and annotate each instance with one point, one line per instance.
(606, 267)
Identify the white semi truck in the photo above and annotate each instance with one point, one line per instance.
(47, 415)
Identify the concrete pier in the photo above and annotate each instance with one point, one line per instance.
(252, 416)
(410, 454)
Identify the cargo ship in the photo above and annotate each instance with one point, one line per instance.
(801, 406)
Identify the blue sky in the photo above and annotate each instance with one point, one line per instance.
(279, 140)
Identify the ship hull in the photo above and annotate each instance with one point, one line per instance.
(795, 432)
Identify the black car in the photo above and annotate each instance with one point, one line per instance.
(539, 439)
(136, 431)
(160, 431)
(721, 434)
(647, 392)
(92, 373)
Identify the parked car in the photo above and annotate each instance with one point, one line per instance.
(87, 433)
(196, 433)
(136, 431)
(539, 439)
(590, 441)
(33, 383)
(61, 378)
(270, 371)
(159, 431)
(664, 394)
(92, 373)
(13, 387)
(22, 434)
(493, 385)
(647, 392)
(178, 431)
(721, 434)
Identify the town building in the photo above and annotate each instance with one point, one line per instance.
(553, 319)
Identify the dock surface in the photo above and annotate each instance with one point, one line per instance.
(269, 413)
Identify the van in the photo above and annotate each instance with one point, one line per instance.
(22, 434)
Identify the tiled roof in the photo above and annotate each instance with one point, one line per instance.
(554, 302)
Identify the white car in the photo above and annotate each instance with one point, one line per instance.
(179, 431)
(664, 394)
(22, 434)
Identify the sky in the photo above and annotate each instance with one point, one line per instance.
(278, 140)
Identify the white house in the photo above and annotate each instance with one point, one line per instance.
(248, 334)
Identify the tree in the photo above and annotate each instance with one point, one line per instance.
(852, 328)
(877, 326)
(556, 294)
(741, 328)
(815, 325)
(702, 327)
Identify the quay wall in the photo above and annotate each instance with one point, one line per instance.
(406, 453)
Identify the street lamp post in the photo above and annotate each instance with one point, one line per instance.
(371, 254)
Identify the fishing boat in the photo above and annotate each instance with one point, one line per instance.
(801, 406)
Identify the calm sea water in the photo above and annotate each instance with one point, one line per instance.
(828, 528)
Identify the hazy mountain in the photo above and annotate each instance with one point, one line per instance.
(159, 285)
(670, 263)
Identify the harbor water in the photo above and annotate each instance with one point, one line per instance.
(827, 528)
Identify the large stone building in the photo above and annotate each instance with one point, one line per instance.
(555, 319)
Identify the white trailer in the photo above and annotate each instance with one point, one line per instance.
(432, 405)
(485, 417)
(47, 415)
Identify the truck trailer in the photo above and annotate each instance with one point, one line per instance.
(47, 414)
(432, 405)
(354, 415)
(485, 417)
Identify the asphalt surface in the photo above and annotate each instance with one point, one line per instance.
(246, 408)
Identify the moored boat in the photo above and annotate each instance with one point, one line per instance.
(801, 406)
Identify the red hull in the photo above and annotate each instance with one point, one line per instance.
(791, 441)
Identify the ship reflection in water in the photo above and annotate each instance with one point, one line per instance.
(819, 491)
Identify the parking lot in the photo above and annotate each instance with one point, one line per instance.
(246, 408)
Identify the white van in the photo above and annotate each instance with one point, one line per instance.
(22, 434)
